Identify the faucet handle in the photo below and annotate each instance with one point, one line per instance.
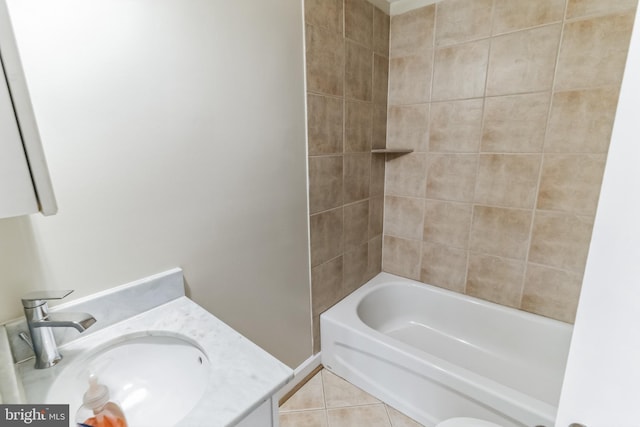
(37, 298)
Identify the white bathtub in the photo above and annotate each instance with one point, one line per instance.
(435, 354)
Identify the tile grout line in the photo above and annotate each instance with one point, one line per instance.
(325, 409)
(542, 156)
(386, 144)
(444, 101)
(344, 152)
(324, 395)
(477, 171)
(298, 411)
(386, 410)
(434, 34)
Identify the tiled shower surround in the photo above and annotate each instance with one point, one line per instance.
(508, 106)
(347, 48)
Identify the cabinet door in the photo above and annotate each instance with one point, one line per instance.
(17, 195)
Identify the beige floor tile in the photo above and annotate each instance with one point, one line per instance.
(359, 416)
(310, 396)
(348, 406)
(339, 393)
(304, 419)
(398, 419)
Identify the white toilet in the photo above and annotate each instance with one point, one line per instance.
(466, 422)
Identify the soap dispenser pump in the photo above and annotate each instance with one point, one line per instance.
(97, 410)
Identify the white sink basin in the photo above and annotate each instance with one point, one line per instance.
(156, 379)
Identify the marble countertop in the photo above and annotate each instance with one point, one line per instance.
(242, 375)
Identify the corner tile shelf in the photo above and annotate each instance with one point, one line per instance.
(391, 151)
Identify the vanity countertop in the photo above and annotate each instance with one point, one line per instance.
(242, 375)
(9, 389)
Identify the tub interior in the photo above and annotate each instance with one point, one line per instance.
(519, 350)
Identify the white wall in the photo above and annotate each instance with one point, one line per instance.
(603, 370)
(175, 136)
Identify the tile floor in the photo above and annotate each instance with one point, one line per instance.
(327, 400)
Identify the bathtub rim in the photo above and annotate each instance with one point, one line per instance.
(384, 279)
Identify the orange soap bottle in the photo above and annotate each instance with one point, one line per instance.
(97, 410)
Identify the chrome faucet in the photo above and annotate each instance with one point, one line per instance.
(40, 322)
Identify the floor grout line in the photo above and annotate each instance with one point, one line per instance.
(325, 409)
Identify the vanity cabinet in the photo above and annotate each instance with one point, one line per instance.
(25, 185)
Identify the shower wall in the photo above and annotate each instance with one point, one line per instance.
(347, 48)
(508, 106)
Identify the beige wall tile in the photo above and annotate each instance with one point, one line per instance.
(379, 137)
(571, 182)
(581, 121)
(511, 15)
(357, 177)
(401, 257)
(325, 61)
(508, 180)
(380, 79)
(359, 416)
(406, 175)
(511, 130)
(412, 32)
(463, 20)
(524, 61)
(357, 127)
(593, 52)
(447, 136)
(324, 13)
(551, 292)
(326, 285)
(325, 183)
(443, 266)
(356, 263)
(376, 210)
(376, 187)
(375, 257)
(501, 232)
(515, 124)
(324, 119)
(316, 418)
(455, 127)
(451, 176)
(358, 72)
(560, 240)
(403, 217)
(460, 71)
(358, 21)
(381, 25)
(338, 393)
(410, 79)
(447, 223)
(326, 236)
(578, 8)
(495, 279)
(408, 127)
(356, 225)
